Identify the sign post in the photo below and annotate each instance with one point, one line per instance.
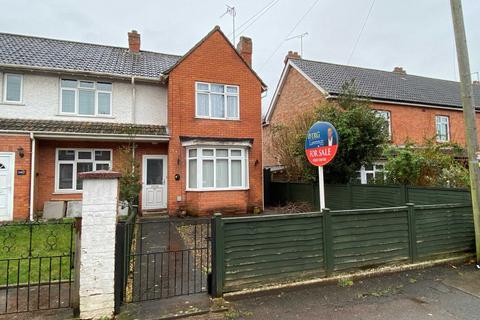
(321, 145)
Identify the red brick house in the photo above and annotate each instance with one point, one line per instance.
(69, 107)
(415, 107)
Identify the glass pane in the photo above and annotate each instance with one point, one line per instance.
(218, 106)
(222, 173)
(86, 102)
(218, 88)
(370, 177)
(68, 101)
(202, 86)
(102, 155)
(192, 153)
(231, 89)
(83, 167)
(369, 167)
(14, 87)
(154, 171)
(202, 105)
(236, 153)
(87, 84)
(65, 175)
(85, 155)
(222, 153)
(104, 103)
(232, 107)
(207, 171)
(66, 155)
(102, 166)
(69, 83)
(207, 152)
(236, 173)
(104, 86)
(192, 173)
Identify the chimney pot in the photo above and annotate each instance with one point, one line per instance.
(134, 41)
(245, 48)
(476, 82)
(292, 55)
(399, 70)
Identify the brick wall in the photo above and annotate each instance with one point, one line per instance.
(21, 197)
(45, 167)
(215, 61)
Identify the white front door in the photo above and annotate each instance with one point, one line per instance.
(154, 190)
(7, 167)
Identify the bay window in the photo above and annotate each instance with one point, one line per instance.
(217, 168)
(70, 162)
(85, 98)
(217, 101)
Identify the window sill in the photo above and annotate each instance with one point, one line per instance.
(12, 103)
(59, 192)
(221, 119)
(83, 116)
(218, 189)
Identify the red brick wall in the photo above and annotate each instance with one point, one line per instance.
(45, 168)
(213, 61)
(21, 197)
(296, 96)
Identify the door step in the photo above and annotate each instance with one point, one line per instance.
(154, 213)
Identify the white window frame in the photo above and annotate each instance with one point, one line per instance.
(200, 157)
(363, 172)
(5, 88)
(225, 95)
(77, 97)
(74, 163)
(387, 115)
(439, 121)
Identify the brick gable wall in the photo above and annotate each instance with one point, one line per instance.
(214, 61)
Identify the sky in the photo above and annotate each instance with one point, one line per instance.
(414, 34)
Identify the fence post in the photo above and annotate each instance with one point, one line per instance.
(327, 241)
(403, 194)
(119, 264)
(218, 267)
(412, 232)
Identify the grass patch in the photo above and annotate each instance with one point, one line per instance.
(37, 252)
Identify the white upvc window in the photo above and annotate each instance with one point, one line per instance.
(217, 101)
(372, 173)
(85, 98)
(12, 88)
(217, 168)
(442, 128)
(70, 162)
(387, 116)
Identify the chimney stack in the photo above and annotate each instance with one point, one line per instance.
(245, 48)
(399, 70)
(134, 41)
(292, 55)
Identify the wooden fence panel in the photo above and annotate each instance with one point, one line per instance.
(376, 196)
(444, 229)
(365, 238)
(272, 250)
(425, 195)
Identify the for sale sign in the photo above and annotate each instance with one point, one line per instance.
(321, 143)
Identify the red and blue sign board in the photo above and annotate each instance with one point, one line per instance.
(321, 143)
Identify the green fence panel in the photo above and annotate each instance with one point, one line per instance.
(337, 196)
(443, 229)
(272, 249)
(425, 195)
(375, 196)
(366, 238)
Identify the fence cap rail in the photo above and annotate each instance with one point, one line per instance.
(278, 216)
(369, 210)
(443, 205)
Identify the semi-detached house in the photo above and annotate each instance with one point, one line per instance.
(69, 107)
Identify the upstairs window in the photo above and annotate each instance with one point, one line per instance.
(86, 98)
(217, 101)
(443, 128)
(386, 115)
(13, 87)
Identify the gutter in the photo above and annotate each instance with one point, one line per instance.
(93, 136)
(32, 173)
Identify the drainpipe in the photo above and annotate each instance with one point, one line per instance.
(134, 100)
(32, 174)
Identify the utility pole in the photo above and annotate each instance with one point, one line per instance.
(469, 116)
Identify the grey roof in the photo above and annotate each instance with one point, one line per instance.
(82, 57)
(384, 85)
(28, 125)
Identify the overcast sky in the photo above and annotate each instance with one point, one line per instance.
(414, 34)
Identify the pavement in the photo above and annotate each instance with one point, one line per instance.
(441, 292)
